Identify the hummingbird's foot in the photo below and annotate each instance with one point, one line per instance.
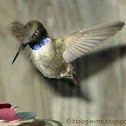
(72, 77)
(75, 80)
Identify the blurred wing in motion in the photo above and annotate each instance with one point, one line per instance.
(16, 29)
(82, 42)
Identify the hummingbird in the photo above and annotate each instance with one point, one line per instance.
(53, 57)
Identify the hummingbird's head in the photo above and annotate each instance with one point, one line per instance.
(33, 33)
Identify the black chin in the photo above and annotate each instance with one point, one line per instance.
(36, 40)
(33, 42)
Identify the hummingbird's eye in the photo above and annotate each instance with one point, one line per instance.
(35, 34)
(36, 31)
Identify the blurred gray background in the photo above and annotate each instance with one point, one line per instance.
(101, 94)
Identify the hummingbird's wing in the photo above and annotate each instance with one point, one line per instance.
(79, 43)
(16, 29)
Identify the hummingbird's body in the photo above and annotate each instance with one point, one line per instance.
(52, 57)
(49, 60)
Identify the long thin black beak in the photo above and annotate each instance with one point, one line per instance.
(21, 47)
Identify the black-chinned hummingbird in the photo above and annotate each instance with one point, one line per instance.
(53, 57)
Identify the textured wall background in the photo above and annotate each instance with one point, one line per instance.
(101, 94)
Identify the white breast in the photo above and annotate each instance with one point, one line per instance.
(42, 57)
(42, 52)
